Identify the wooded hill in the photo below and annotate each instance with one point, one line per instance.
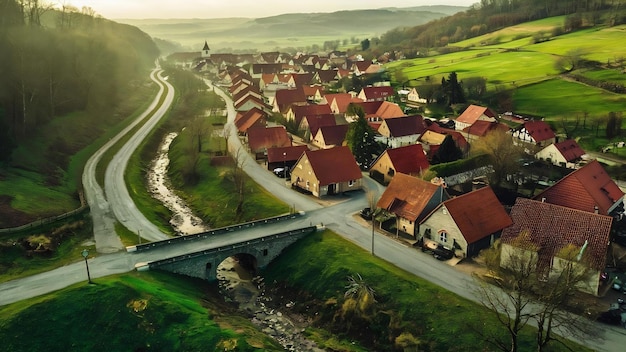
(490, 15)
(55, 64)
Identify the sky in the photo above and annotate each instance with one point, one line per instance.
(137, 9)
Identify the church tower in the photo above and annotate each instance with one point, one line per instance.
(206, 51)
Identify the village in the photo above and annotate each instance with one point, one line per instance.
(295, 123)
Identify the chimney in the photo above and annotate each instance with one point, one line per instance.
(595, 209)
(543, 200)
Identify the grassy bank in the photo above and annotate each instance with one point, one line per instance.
(143, 312)
(408, 312)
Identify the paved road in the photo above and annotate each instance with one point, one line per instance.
(338, 217)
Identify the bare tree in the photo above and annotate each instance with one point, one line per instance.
(239, 177)
(568, 127)
(502, 152)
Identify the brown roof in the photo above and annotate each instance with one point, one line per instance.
(473, 112)
(584, 189)
(334, 135)
(261, 139)
(378, 93)
(481, 128)
(552, 227)
(286, 97)
(408, 196)
(301, 111)
(267, 68)
(478, 214)
(539, 130)
(249, 90)
(251, 98)
(333, 165)
(283, 154)
(405, 125)
(302, 79)
(343, 100)
(250, 118)
(569, 149)
(316, 121)
(382, 109)
(409, 159)
(327, 76)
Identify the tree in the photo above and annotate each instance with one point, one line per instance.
(360, 139)
(238, 177)
(451, 91)
(447, 152)
(613, 125)
(365, 44)
(503, 154)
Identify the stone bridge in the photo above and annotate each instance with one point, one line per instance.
(258, 252)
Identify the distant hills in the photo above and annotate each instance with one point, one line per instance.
(298, 30)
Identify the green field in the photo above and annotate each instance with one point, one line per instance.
(131, 312)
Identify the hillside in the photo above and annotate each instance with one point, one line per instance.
(288, 30)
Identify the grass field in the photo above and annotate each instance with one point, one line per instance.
(440, 319)
(131, 312)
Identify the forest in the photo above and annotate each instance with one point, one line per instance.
(55, 62)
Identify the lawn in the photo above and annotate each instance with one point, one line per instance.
(143, 312)
(440, 319)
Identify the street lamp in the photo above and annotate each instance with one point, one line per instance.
(85, 254)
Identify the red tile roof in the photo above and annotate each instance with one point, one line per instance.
(584, 189)
(409, 159)
(333, 165)
(480, 128)
(334, 135)
(378, 93)
(539, 130)
(316, 121)
(569, 149)
(250, 98)
(552, 227)
(478, 214)
(408, 196)
(285, 97)
(283, 154)
(405, 125)
(250, 118)
(261, 139)
(473, 112)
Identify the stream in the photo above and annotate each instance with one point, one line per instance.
(236, 284)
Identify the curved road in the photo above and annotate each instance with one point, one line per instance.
(338, 217)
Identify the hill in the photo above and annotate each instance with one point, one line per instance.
(288, 30)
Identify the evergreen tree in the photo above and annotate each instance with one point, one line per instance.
(447, 152)
(360, 139)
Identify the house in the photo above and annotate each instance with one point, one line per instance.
(376, 111)
(327, 172)
(297, 112)
(430, 139)
(480, 129)
(588, 189)
(376, 93)
(410, 160)
(565, 154)
(250, 102)
(398, 131)
(467, 223)
(261, 139)
(472, 114)
(413, 98)
(330, 136)
(252, 118)
(311, 124)
(547, 228)
(284, 157)
(339, 102)
(537, 133)
(410, 199)
(284, 98)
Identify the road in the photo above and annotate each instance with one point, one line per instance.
(338, 217)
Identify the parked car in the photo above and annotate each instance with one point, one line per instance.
(282, 172)
(366, 213)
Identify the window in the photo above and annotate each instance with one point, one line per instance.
(443, 236)
(351, 183)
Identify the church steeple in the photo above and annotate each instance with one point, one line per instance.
(205, 50)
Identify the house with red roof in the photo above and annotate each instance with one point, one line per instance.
(311, 124)
(566, 154)
(297, 112)
(285, 98)
(339, 102)
(261, 139)
(588, 189)
(404, 130)
(465, 224)
(384, 93)
(481, 128)
(330, 136)
(543, 230)
(410, 160)
(249, 102)
(376, 112)
(253, 118)
(284, 157)
(472, 114)
(538, 133)
(409, 199)
(327, 172)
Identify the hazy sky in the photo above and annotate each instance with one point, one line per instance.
(114, 9)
